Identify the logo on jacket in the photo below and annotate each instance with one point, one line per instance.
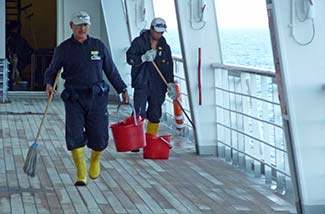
(160, 51)
(94, 55)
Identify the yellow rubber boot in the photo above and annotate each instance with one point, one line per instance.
(78, 156)
(94, 169)
(152, 128)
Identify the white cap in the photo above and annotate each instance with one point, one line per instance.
(80, 17)
(159, 25)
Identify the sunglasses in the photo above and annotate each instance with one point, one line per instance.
(160, 25)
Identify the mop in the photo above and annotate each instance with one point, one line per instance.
(32, 155)
(163, 78)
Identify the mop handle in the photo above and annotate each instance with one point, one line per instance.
(47, 106)
(163, 78)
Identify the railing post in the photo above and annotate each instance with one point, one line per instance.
(246, 107)
(266, 128)
(256, 126)
(219, 74)
(237, 138)
(227, 122)
(243, 108)
(232, 124)
(279, 142)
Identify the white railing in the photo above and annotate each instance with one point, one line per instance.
(3, 80)
(249, 122)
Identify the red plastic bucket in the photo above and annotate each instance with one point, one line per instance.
(129, 134)
(157, 147)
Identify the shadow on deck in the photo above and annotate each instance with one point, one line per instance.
(186, 183)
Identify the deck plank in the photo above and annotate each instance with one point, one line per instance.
(186, 183)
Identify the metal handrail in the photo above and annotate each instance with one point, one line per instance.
(246, 95)
(254, 158)
(179, 77)
(177, 58)
(249, 116)
(252, 137)
(244, 69)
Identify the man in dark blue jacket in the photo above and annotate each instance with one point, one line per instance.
(85, 96)
(148, 85)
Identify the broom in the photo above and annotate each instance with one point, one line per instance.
(32, 155)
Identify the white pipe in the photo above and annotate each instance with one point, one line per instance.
(292, 23)
(3, 31)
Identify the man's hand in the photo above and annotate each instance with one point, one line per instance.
(149, 56)
(125, 97)
(171, 90)
(49, 90)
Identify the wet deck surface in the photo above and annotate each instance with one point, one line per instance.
(186, 183)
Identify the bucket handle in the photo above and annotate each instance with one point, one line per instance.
(133, 112)
(165, 141)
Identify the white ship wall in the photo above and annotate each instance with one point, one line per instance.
(303, 71)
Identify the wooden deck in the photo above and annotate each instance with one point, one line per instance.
(186, 183)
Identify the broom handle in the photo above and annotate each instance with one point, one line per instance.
(163, 78)
(47, 106)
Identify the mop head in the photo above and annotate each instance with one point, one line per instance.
(31, 160)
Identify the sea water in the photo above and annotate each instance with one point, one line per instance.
(246, 47)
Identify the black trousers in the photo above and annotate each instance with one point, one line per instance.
(86, 119)
(154, 98)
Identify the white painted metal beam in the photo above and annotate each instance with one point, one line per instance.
(302, 70)
(200, 30)
(139, 15)
(117, 34)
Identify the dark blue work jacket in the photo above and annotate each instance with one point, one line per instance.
(83, 64)
(144, 73)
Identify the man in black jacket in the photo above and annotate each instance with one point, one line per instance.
(85, 96)
(18, 51)
(148, 85)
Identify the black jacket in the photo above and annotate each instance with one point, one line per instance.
(145, 73)
(83, 65)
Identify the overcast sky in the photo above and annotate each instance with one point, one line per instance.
(230, 13)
